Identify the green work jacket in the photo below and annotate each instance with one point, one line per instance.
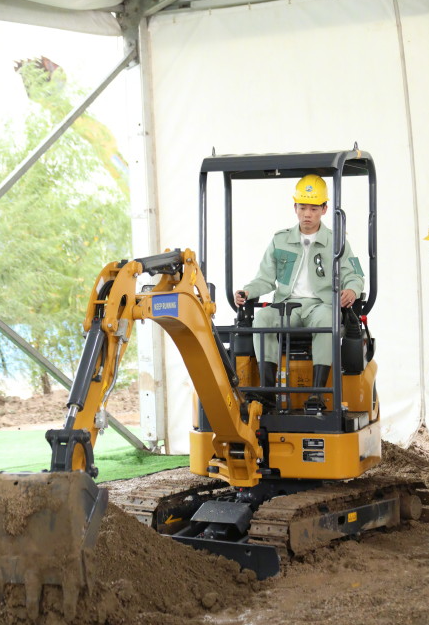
(282, 261)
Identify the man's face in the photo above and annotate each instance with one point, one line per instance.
(309, 216)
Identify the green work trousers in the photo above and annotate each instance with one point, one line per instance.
(313, 313)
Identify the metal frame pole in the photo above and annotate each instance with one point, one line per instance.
(146, 241)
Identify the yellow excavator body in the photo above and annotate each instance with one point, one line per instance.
(298, 455)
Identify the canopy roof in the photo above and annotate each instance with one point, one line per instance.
(353, 163)
(98, 17)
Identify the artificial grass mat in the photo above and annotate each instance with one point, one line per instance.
(28, 450)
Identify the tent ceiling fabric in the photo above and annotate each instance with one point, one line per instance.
(98, 17)
(103, 17)
(78, 5)
(92, 17)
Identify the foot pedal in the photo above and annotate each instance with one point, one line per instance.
(314, 405)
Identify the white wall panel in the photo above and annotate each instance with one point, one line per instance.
(298, 76)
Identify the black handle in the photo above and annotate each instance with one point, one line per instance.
(240, 309)
(280, 307)
(290, 306)
(339, 213)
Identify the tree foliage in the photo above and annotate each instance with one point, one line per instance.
(59, 225)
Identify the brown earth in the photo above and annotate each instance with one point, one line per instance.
(39, 410)
(142, 577)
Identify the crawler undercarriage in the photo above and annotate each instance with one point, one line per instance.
(265, 535)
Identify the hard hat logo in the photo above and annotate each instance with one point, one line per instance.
(311, 189)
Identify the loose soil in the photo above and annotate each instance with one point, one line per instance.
(39, 410)
(141, 577)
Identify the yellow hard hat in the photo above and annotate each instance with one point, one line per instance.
(311, 189)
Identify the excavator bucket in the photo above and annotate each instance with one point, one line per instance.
(48, 525)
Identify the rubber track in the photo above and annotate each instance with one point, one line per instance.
(144, 503)
(270, 523)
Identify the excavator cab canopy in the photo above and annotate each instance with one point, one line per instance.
(291, 165)
(334, 165)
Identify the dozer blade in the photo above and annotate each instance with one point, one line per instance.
(48, 525)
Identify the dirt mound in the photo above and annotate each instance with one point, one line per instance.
(20, 413)
(142, 577)
(407, 463)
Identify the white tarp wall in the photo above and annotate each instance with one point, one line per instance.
(302, 75)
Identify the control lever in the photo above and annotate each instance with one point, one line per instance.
(243, 343)
(240, 309)
(282, 308)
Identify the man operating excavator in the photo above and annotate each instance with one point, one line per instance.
(297, 265)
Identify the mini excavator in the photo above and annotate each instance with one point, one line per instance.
(275, 481)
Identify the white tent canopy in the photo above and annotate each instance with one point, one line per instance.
(86, 16)
(286, 76)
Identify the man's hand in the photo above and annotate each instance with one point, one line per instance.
(239, 299)
(348, 298)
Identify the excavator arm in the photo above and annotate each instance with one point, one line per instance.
(51, 542)
(108, 325)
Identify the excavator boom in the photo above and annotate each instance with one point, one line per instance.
(182, 306)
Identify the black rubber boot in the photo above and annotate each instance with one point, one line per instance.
(315, 404)
(268, 400)
(270, 380)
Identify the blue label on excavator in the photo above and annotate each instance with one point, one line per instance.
(165, 305)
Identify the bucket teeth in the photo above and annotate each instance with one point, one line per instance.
(48, 526)
(33, 592)
(70, 599)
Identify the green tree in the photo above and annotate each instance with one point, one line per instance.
(59, 225)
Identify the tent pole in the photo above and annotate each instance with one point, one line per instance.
(146, 239)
